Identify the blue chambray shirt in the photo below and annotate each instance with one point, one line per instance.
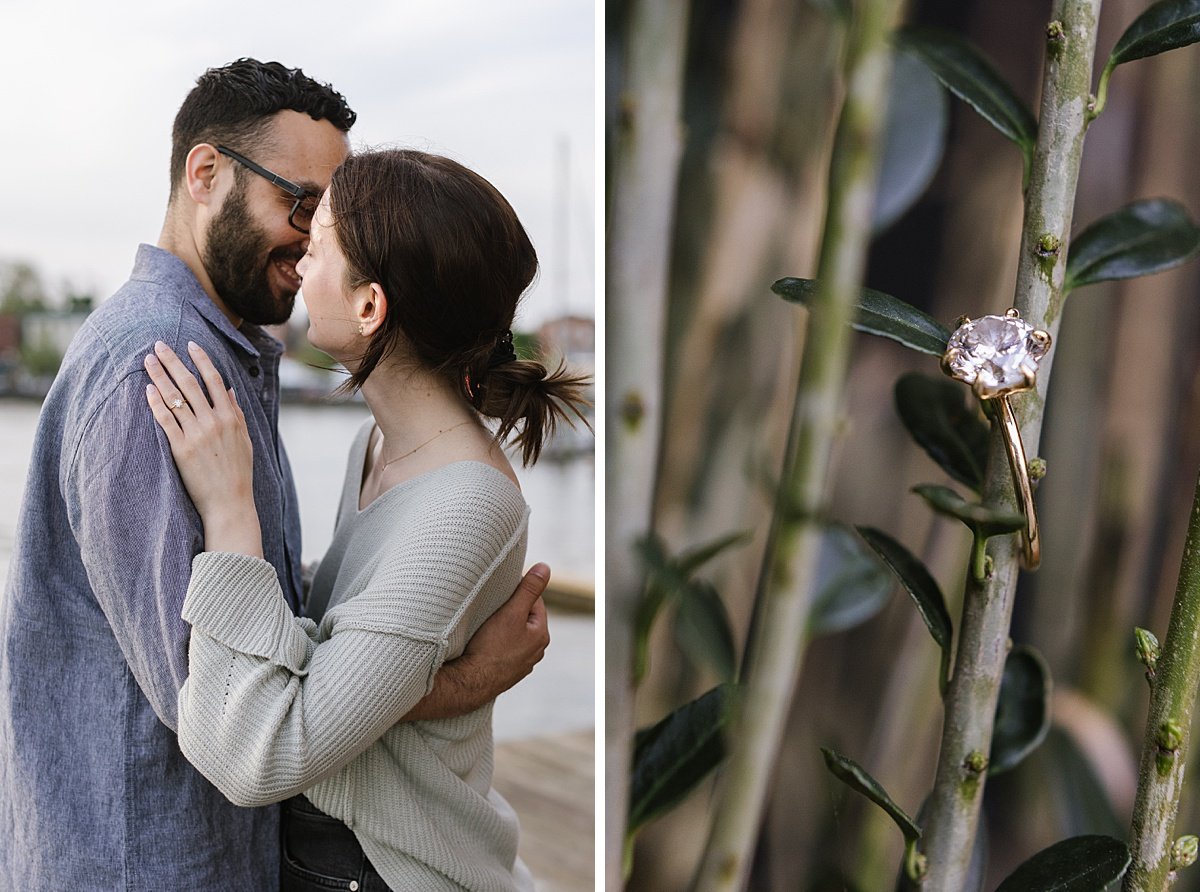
(94, 792)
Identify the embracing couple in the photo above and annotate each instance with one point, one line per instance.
(166, 676)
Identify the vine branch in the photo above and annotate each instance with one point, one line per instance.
(777, 643)
(987, 609)
(1168, 727)
(645, 170)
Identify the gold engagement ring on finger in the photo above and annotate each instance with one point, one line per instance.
(998, 356)
(178, 403)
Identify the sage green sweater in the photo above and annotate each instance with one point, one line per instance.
(275, 705)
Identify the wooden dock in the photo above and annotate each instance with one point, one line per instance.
(571, 593)
(550, 782)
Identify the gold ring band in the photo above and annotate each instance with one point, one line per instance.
(1017, 463)
(998, 356)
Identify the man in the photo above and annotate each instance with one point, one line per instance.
(94, 792)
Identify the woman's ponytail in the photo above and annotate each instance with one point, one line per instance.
(528, 401)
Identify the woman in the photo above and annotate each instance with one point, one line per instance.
(411, 279)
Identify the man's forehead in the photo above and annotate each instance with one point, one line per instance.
(306, 151)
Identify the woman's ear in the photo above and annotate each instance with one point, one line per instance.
(200, 173)
(371, 308)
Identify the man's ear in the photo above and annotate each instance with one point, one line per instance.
(200, 173)
(370, 307)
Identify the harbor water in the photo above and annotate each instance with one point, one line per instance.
(559, 696)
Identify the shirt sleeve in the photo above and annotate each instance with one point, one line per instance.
(269, 710)
(137, 532)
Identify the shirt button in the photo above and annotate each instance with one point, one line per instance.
(253, 371)
(354, 886)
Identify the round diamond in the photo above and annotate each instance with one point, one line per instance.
(996, 354)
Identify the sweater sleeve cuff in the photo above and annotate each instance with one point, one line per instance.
(236, 600)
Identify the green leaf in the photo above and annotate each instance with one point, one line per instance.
(852, 585)
(937, 415)
(856, 778)
(702, 629)
(1079, 864)
(1167, 25)
(914, 139)
(878, 314)
(671, 758)
(693, 559)
(666, 578)
(981, 520)
(659, 583)
(1139, 239)
(1023, 711)
(968, 74)
(917, 582)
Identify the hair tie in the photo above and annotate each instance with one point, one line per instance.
(503, 351)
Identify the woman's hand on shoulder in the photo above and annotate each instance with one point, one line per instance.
(211, 446)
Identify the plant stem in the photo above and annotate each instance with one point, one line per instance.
(978, 558)
(1168, 727)
(987, 606)
(1101, 92)
(645, 171)
(776, 647)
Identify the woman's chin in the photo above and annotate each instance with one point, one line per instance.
(337, 352)
(316, 341)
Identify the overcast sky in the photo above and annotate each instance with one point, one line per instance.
(90, 90)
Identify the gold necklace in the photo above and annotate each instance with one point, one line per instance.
(423, 445)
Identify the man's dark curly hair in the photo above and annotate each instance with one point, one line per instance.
(234, 104)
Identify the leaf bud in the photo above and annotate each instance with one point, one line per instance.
(1170, 736)
(1148, 649)
(1048, 245)
(1184, 852)
(976, 762)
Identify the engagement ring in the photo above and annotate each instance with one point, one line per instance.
(177, 403)
(999, 355)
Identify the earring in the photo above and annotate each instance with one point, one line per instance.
(360, 328)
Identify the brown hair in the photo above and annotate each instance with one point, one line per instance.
(453, 260)
(234, 104)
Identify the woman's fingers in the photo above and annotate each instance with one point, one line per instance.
(184, 380)
(208, 373)
(237, 408)
(171, 396)
(163, 414)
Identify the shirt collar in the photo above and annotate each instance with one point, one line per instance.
(154, 264)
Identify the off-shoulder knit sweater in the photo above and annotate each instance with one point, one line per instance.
(275, 705)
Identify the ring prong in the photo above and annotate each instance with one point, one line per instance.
(1030, 377)
(947, 358)
(1041, 337)
(1012, 313)
(961, 321)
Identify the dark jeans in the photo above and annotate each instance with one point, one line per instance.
(321, 853)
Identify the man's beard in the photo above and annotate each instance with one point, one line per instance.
(236, 258)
